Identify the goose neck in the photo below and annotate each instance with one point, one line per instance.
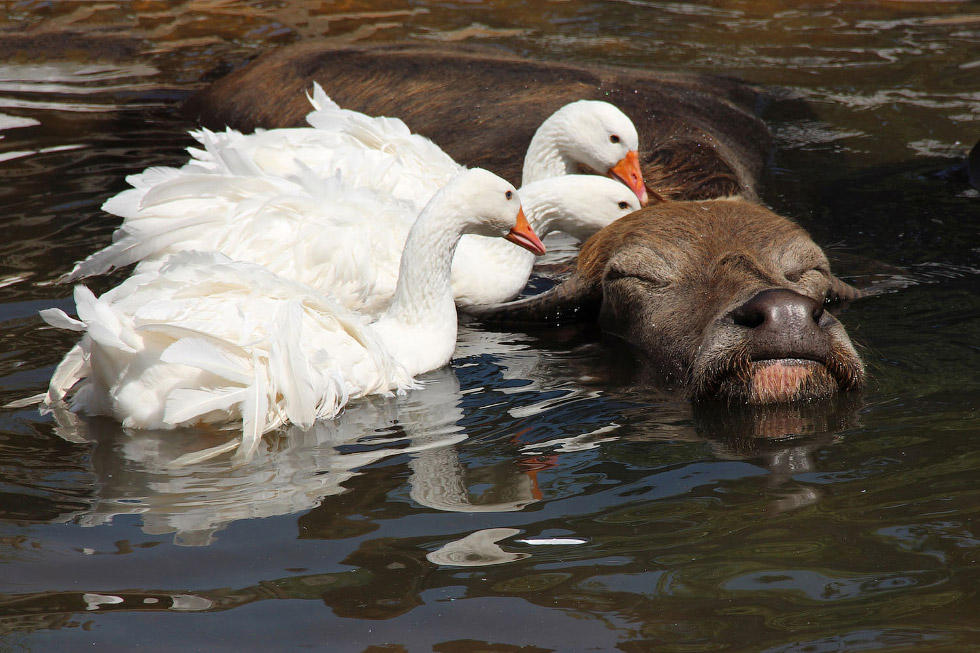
(423, 293)
(546, 155)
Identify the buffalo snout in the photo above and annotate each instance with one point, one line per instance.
(782, 323)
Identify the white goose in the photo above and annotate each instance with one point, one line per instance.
(266, 198)
(205, 339)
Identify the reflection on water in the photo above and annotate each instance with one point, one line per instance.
(477, 549)
(848, 523)
(143, 472)
(140, 473)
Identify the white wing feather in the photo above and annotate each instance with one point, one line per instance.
(188, 405)
(208, 356)
(72, 368)
(61, 320)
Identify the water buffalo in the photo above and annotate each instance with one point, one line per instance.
(699, 135)
(723, 297)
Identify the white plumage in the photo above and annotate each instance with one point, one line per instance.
(300, 201)
(206, 339)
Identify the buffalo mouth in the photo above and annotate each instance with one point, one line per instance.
(778, 380)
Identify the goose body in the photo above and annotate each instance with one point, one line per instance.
(206, 339)
(267, 197)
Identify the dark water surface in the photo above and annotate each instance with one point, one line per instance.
(416, 524)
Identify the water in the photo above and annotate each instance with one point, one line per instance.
(417, 524)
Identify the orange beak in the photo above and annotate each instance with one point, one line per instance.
(628, 171)
(522, 234)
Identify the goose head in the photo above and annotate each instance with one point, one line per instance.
(490, 206)
(578, 205)
(589, 133)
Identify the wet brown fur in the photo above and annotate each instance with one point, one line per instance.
(699, 135)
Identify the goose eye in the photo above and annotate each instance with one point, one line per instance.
(614, 138)
(509, 194)
(624, 205)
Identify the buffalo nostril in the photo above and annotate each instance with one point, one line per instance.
(748, 315)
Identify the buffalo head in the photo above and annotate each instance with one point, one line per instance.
(723, 296)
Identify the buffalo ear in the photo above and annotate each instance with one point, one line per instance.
(841, 291)
(575, 300)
